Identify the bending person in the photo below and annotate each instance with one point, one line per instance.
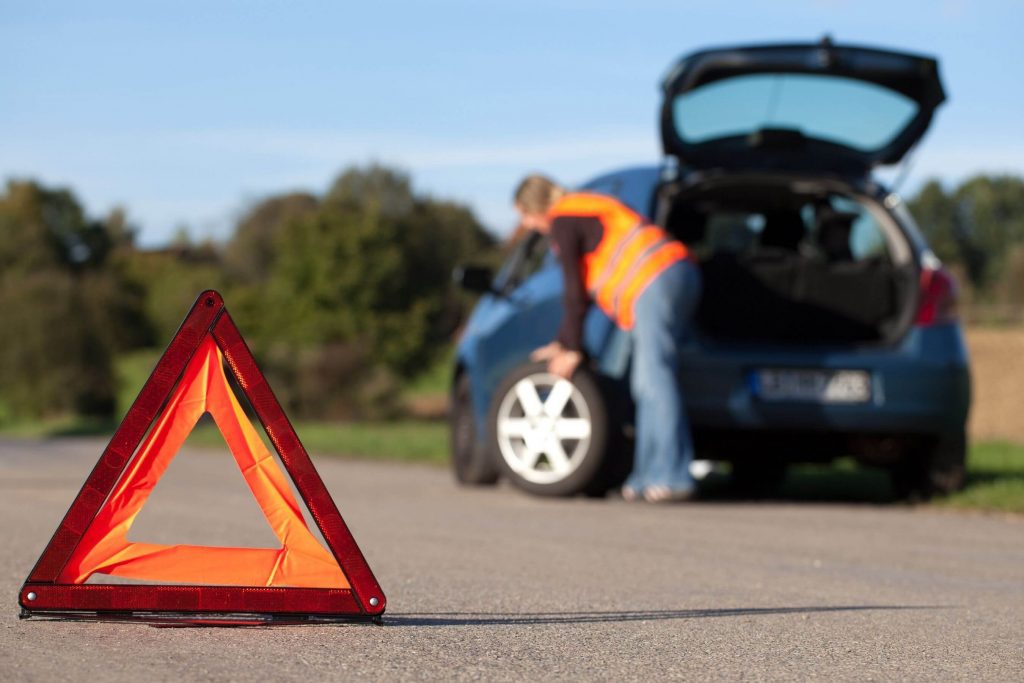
(647, 283)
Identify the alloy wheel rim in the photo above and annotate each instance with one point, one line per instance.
(543, 428)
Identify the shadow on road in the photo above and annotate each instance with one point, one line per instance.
(805, 483)
(518, 619)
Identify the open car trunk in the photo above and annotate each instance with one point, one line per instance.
(806, 107)
(796, 263)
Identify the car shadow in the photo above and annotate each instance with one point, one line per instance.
(989, 476)
(812, 484)
(540, 618)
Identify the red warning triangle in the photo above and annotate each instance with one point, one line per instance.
(301, 580)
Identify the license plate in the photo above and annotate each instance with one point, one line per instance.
(816, 386)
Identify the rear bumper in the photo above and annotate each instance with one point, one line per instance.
(922, 386)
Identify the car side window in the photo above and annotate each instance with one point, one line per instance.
(835, 228)
(527, 256)
(731, 232)
(846, 230)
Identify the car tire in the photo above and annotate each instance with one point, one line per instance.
(937, 468)
(472, 463)
(549, 435)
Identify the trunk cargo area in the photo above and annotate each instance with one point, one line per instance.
(796, 264)
(772, 296)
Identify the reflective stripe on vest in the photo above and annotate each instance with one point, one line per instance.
(630, 255)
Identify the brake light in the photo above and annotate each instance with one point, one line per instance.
(939, 295)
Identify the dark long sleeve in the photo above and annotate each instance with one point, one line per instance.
(574, 236)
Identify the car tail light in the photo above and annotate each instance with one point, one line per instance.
(939, 295)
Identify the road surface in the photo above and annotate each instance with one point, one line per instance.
(492, 584)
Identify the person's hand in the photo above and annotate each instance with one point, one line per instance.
(564, 363)
(546, 352)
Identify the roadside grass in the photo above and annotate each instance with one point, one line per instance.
(995, 477)
(401, 440)
(406, 440)
(131, 371)
(423, 441)
(995, 482)
(55, 427)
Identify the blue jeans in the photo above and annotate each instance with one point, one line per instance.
(664, 315)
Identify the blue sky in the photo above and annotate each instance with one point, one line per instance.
(187, 112)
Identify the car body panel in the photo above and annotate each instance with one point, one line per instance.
(634, 187)
(918, 386)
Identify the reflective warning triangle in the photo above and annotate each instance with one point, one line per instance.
(299, 581)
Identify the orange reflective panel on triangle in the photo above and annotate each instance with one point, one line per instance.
(301, 561)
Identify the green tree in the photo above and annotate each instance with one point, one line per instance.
(362, 282)
(53, 360)
(341, 296)
(171, 278)
(374, 266)
(991, 211)
(67, 309)
(251, 251)
(934, 211)
(976, 225)
(389, 190)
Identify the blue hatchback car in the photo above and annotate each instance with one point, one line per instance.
(827, 327)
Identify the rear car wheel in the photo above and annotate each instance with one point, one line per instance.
(938, 468)
(471, 463)
(550, 435)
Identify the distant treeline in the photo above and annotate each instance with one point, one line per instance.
(978, 229)
(343, 296)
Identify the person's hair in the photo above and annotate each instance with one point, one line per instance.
(537, 193)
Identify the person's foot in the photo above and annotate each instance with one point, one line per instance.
(629, 494)
(665, 494)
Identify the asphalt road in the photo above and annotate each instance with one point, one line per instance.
(492, 584)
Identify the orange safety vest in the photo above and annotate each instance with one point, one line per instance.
(630, 255)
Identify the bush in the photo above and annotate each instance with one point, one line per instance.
(370, 268)
(172, 279)
(67, 307)
(53, 359)
(341, 297)
(334, 381)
